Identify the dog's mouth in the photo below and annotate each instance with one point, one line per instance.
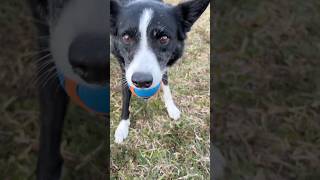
(96, 76)
(142, 80)
(142, 84)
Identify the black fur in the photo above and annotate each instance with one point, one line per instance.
(53, 105)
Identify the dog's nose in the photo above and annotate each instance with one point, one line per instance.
(88, 57)
(142, 80)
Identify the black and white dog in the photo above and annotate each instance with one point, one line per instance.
(75, 45)
(147, 37)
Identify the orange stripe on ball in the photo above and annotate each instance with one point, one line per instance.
(71, 88)
(132, 90)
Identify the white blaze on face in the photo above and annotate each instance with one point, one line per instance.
(144, 60)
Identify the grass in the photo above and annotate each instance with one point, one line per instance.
(84, 136)
(158, 147)
(267, 88)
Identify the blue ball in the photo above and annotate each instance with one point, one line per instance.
(92, 98)
(144, 92)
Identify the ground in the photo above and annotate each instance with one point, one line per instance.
(158, 147)
(266, 88)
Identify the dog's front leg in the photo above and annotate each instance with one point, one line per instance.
(53, 105)
(123, 127)
(172, 109)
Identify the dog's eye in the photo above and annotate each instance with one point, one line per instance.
(164, 40)
(127, 39)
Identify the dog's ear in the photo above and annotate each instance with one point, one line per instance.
(114, 11)
(189, 11)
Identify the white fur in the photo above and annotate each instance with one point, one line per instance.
(122, 131)
(172, 109)
(145, 60)
(79, 16)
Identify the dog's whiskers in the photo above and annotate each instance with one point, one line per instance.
(47, 76)
(43, 58)
(51, 77)
(40, 77)
(44, 66)
(44, 63)
(34, 53)
(43, 76)
(40, 70)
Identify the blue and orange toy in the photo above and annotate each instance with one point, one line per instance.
(95, 99)
(144, 92)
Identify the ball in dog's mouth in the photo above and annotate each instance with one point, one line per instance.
(144, 93)
(94, 98)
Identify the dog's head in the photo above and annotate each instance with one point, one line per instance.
(148, 36)
(78, 41)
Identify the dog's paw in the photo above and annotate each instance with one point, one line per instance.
(173, 112)
(122, 131)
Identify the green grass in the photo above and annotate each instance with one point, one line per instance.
(158, 147)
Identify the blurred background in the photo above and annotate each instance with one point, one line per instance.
(83, 147)
(266, 87)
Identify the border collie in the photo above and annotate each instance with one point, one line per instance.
(147, 37)
(73, 65)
